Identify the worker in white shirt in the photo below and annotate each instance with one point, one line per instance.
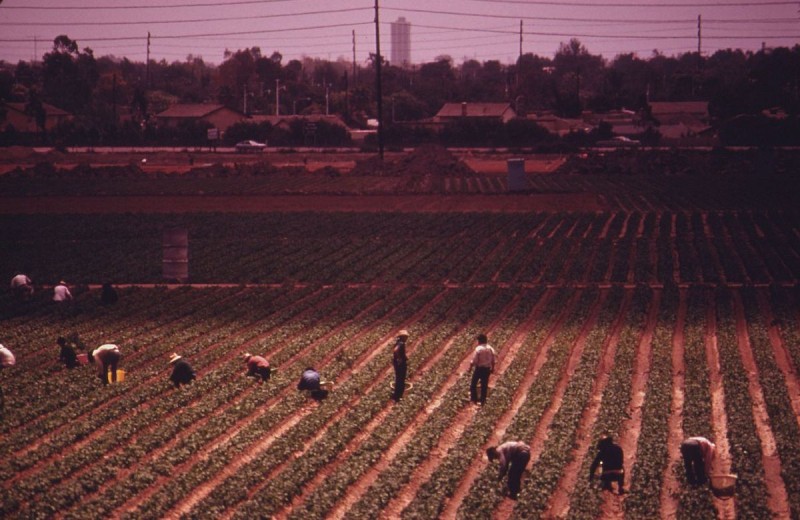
(61, 292)
(482, 365)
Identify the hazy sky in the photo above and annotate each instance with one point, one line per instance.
(477, 29)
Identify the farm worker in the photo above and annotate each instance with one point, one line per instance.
(22, 286)
(108, 294)
(182, 372)
(109, 356)
(400, 363)
(310, 380)
(7, 358)
(609, 457)
(482, 365)
(66, 353)
(698, 456)
(61, 292)
(513, 457)
(257, 366)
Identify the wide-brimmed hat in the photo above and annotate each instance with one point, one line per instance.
(403, 332)
(174, 357)
(62, 282)
(247, 356)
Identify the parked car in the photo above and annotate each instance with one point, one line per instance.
(250, 146)
(619, 141)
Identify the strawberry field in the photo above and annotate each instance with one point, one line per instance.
(653, 323)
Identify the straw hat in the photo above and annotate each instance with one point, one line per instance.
(62, 282)
(174, 357)
(403, 333)
(247, 356)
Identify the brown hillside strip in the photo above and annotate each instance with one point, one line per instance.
(558, 505)
(369, 428)
(726, 509)
(777, 499)
(506, 507)
(362, 485)
(239, 425)
(782, 358)
(631, 427)
(670, 488)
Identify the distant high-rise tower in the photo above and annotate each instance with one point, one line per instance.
(401, 43)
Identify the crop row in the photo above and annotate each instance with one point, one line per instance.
(732, 247)
(227, 447)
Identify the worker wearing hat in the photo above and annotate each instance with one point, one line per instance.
(182, 372)
(257, 366)
(400, 363)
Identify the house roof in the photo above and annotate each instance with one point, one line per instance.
(49, 110)
(560, 126)
(696, 108)
(474, 109)
(313, 118)
(190, 110)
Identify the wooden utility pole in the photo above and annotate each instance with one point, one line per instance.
(379, 90)
(355, 78)
(699, 34)
(147, 68)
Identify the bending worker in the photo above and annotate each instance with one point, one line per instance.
(257, 366)
(698, 456)
(513, 457)
(109, 357)
(610, 456)
(182, 372)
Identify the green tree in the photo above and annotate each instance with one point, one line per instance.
(69, 75)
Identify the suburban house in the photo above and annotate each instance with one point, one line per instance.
(455, 111)
(681, 120)
(16, 117)
(560, 126)
(218, 116)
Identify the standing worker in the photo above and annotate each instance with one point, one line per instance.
(61, 292)
(257, 366)
(513, 457)
(182, 372)
(108, 295)
(482, 365)
(22, 287)
(109, 357)
(698, 456)
(400, 363)
(66, 353)
(610, 458)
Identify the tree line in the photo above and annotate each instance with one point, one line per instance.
(113, 99)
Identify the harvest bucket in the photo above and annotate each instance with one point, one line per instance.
(120, 376)
(723, 486)
(83, 359)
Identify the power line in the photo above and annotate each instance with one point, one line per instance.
(637, 5)
(194, 20)
(129, 7)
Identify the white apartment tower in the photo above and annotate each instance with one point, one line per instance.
(401, 43)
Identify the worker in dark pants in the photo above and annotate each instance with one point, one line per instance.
(66, 353)
(257, 366)
(400, 363)
(182, 372)
(513, 457)
(108, 356)
(698, 455)
(610, 457)
(310, 381)
(482, 365)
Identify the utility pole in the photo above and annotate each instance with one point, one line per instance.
(378, 88)
(244, 102)
(355, 82)
(277, 96)
(520, 38)
(699, 34)
(147, 68)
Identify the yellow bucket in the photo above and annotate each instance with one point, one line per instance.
(120, 376)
